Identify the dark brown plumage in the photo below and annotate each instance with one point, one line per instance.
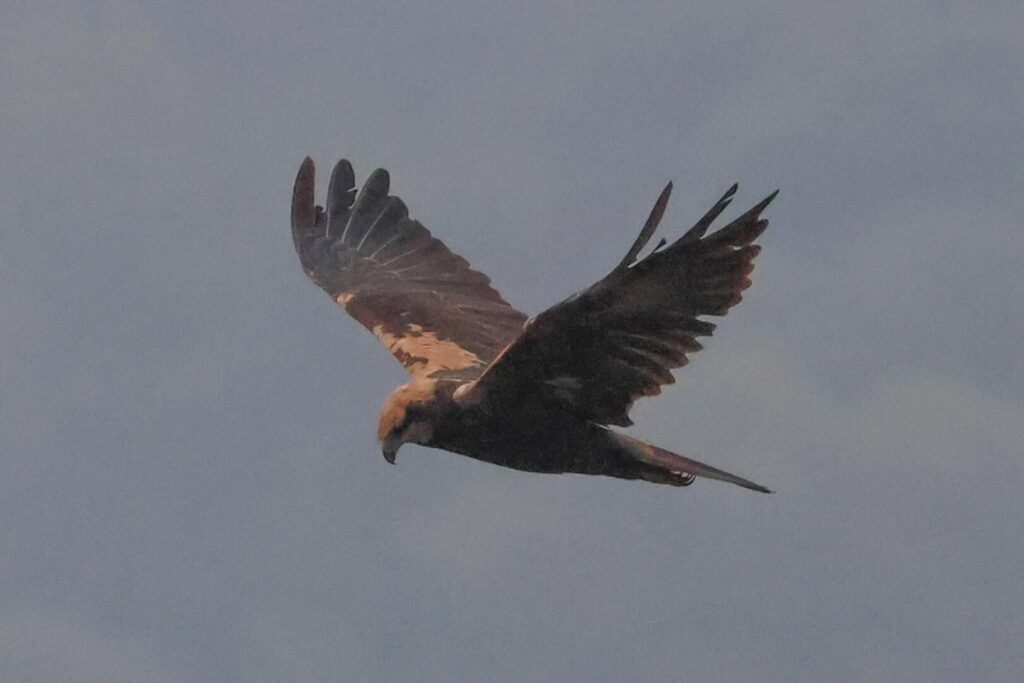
(538, 394)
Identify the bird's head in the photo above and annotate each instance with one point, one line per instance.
(407, 417)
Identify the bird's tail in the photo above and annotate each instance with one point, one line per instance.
(671, 468)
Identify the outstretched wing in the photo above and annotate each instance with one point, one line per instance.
(439, 317)
(601, 349)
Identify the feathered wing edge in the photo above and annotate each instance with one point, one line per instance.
(436, 314)
(641, 319)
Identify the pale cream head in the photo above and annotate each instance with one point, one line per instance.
(399, 422)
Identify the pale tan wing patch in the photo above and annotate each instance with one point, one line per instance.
(423, 354)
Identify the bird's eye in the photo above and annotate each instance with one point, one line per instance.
(406, 420)
(412, 413)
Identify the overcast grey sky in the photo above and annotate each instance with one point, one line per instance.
(190, 486)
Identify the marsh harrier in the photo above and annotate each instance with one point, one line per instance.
(536, 394)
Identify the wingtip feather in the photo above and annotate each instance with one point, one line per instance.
(379, 182)
(303, 208)
(763, 204)
(653, 219)
(341, 190)
(701, 226)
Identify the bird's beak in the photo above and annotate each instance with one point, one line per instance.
(390, 446)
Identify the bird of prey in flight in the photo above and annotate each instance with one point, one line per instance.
(536, 394)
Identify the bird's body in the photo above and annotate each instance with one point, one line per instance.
(534, 438)
(536, 395)
(530, 439)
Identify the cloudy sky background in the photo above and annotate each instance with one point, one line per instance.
(190, 486)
